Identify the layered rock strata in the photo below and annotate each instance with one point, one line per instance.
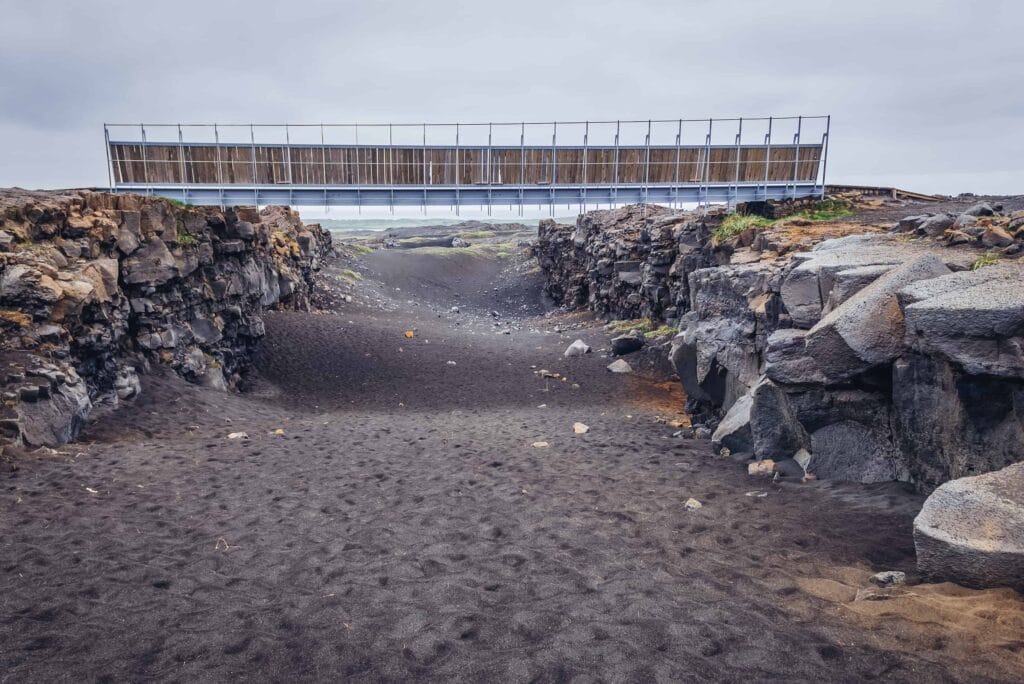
(95, 288)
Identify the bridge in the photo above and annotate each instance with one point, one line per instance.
(674, 162)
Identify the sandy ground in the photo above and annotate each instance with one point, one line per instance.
(388, 518)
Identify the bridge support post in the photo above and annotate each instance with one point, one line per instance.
(110, 167)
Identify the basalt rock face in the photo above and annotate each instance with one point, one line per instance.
(881, 357)
(95, 288)
(625, 263)
(897, 362)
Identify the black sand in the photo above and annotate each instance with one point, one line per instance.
(403, 527)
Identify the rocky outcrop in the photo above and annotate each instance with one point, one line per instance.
(971, 531)
(831, 351)
(96, 287)
(625, 263)
(904, 380)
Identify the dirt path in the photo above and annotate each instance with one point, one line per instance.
(400, 525)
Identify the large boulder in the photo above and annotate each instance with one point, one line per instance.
(775, 430)
(971, 531)
(867, 330)
(627, 344)
(974, 318)
(57, 418)
(951, 424)
(854, 452)
(733, 432)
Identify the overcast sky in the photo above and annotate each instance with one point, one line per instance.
(924, 94)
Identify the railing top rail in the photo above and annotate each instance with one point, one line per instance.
(452, 124)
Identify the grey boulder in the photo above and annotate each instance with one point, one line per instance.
(971, 531)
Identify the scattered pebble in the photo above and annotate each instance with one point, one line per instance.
(580, 428)
(450, 363)
(692, 504)
(540, 445)
(757, 494)
(620, 366)
(889, 578)
(238, 435)
(764, 468)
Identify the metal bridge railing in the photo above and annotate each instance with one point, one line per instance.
(691, 155)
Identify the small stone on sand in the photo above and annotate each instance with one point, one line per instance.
(764, 468)
(540, 445)
(577, 348)
(580, 428)
(620, 366)
(238, 435)
(692, 504)
(889, 578)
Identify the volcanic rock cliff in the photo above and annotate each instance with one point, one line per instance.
(870, 357)
(96, 287)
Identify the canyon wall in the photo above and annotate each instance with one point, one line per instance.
(866, 357)
(95, 288)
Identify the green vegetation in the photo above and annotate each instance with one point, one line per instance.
(823, 210)
(177, 203)
(734, 224)
(186, 240)
(663, 331)
(476, 234)
(644, 325)
(351, 276)
(826, 210)
(990, 259)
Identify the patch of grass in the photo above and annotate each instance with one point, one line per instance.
(990, 259)
(823, 210)
(178, 203)
(350, 275)
(734, 224)
(644, 325)
(826, 210)
(358, 249)
(476, 234)
(663, 331)
(186, 240)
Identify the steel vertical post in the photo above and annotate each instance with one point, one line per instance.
(145, 162)
(255, 191)
(323, 163)
(554, 163)
(739, 151)
(615, 181)
(767, 157)
(220, 172)
(424, 168)
(824, 157)
(490, 141)
(288, 154)
(647, 161)
(796, 157)
(359, 175)
(707, 163)
(679, 150)
(586, 153)
(522, 164)
(391, 165)
(181, 165)
(458, 176)
(110, 167)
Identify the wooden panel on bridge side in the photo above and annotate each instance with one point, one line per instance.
(382, 165)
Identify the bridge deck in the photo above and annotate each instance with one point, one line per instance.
(388, 174)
